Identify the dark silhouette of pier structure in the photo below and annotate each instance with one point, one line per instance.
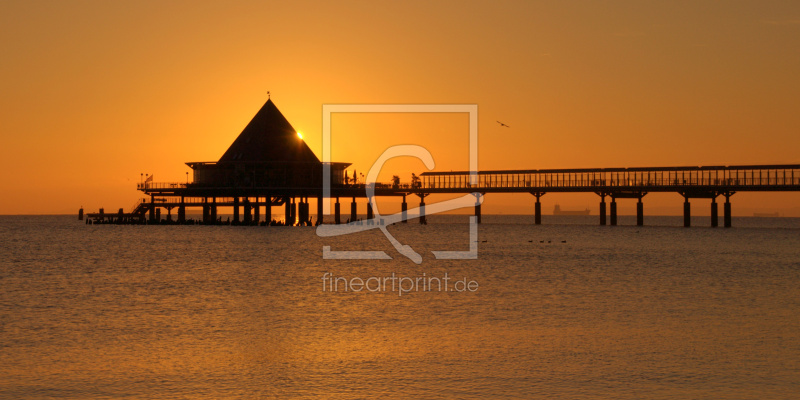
(269, 165)
(702, 182)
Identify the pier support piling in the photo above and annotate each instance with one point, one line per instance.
(256, 212)
(319, 211)
(293, 212)
(537, 208)
(152, 209)
(268, 209)
(337, 214)
(287, 213)
(248, 216)
(422, 219)
(613, 211)
(602, 209)
(369, 212)
(478, 206)
(353, 210)
(714, 214)
(404, 210)
(214, 210)
(687, 213)
(302, 210)
(727, 210)
(235, 211)
(639, 213)
(182, 211)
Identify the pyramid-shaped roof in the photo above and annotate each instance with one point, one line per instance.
(269, 137)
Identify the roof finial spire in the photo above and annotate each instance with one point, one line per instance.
(268, 96)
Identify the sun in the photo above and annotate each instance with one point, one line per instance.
(300, 135)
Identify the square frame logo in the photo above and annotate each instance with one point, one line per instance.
(468, 200)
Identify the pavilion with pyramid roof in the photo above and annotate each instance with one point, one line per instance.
(267, 165)
(268, 153)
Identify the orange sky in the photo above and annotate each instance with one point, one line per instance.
(94, 93)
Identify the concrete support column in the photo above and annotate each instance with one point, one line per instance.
(256, 212)
(337, 214)
(422, 219)
(305, 214)
(687, 213)
(537, 212)
(301, 212)
(404, 210)
(169, 214)
(182, 211)
(353, 210)
(714, 214)
(213, 210)
(613, 211)
(370, 215)
(478, 206)
(293, 212)
(639, 213)
(248, 216)
(727, 211)
(602, 210)
(235, 211)
(268, 209)
(319, 210)
(152, 209)
(158, 215)
(206, 211)
(287, 214)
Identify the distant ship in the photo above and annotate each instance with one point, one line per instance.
(559, 211)
(767, 215)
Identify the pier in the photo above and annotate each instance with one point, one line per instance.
(269, 165)
(702, 182)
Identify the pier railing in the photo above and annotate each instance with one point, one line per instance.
(622, 178)
(727, 178)
(160, 185)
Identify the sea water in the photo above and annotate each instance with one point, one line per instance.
(567, 309)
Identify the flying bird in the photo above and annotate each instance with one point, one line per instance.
(502, 124)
